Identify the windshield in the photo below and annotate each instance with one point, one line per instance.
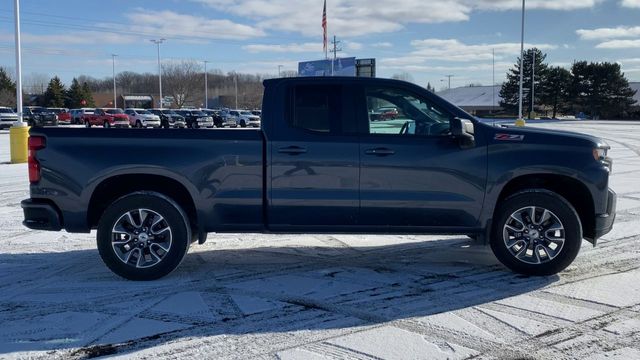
(144, 112)
(115, 111)
(198, 113)
(6, 111)
(56, 111)
(169, 112)
(39, 110)
(246, 113)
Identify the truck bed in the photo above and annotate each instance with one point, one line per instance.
(222, 168)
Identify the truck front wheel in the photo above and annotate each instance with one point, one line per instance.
(536, 232)
(143, 236)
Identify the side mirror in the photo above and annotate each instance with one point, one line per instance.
(463, 131)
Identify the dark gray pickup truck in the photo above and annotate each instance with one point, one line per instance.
(325, 161)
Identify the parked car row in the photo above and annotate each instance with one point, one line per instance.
(133, 117)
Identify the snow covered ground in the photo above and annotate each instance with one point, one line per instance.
(324, 297)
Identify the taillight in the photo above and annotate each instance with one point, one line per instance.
(35, 143)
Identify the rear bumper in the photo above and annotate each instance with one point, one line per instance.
(604, 222)
(41, 215)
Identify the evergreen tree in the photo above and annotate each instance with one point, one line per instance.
(555, 91)
(54, 96)
(5, 81)
(511, 88)
(87, 96)
(601, 90)
(7, 89)
(74, 95)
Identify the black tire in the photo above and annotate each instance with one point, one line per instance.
(106, 125)
(194, 125)
(564, 213)
(243, 124)
(87, 124)
(178, 244)
(138, 124)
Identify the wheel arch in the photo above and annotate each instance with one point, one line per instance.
(115, 187)
(572, 190)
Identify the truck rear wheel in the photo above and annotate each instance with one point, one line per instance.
(536, 232)
(143, 236)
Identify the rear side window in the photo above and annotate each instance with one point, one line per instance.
(312, 108)
(321, 108)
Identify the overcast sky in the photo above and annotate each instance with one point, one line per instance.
(426, 38)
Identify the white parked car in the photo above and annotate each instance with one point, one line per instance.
(142, 118)
(7, 117)
(245, 118)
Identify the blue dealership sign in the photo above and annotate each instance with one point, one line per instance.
(341, 67)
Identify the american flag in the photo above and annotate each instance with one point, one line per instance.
(324, 27)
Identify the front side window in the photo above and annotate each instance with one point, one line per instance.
(400, 112)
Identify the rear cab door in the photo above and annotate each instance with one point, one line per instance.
(313, 157)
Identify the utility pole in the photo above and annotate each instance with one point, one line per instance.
(533, 83)
(449, 77)
(520, 121)
(279, 70)
(158, 42)
(113, 67)
(335, 51)
(206, 86)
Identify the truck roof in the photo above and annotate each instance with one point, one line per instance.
(333, 79)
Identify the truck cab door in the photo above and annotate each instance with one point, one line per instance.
(413, 173)
(314, 163)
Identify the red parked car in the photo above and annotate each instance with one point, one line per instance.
(106, 118)
(64, 117)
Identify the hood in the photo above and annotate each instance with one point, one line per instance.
(547, 136)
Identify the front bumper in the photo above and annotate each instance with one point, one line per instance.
(41, 215)
(151, 123)
(6, 124)
(604, 222)
(121, 123)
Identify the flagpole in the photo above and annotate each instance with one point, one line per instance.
(324, 28)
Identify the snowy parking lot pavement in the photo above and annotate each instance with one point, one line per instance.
(324, 297)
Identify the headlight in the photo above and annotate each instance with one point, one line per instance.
(600, 153)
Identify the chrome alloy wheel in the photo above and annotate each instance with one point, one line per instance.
(141, 238)
(534, 235)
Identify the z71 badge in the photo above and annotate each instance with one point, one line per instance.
(509, 137)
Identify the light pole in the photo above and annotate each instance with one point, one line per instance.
(235, 82)
(520, 121)
(279, 70)
(113, 66)
(158, 42)
(19, 132)
(533, 84)
(206, 86)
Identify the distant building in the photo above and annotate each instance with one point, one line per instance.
(476, 100)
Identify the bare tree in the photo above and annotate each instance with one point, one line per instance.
(183, 80)
(404, 76)
(35, 83)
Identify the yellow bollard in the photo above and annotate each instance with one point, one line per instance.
(520, 122)
(19, 139)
